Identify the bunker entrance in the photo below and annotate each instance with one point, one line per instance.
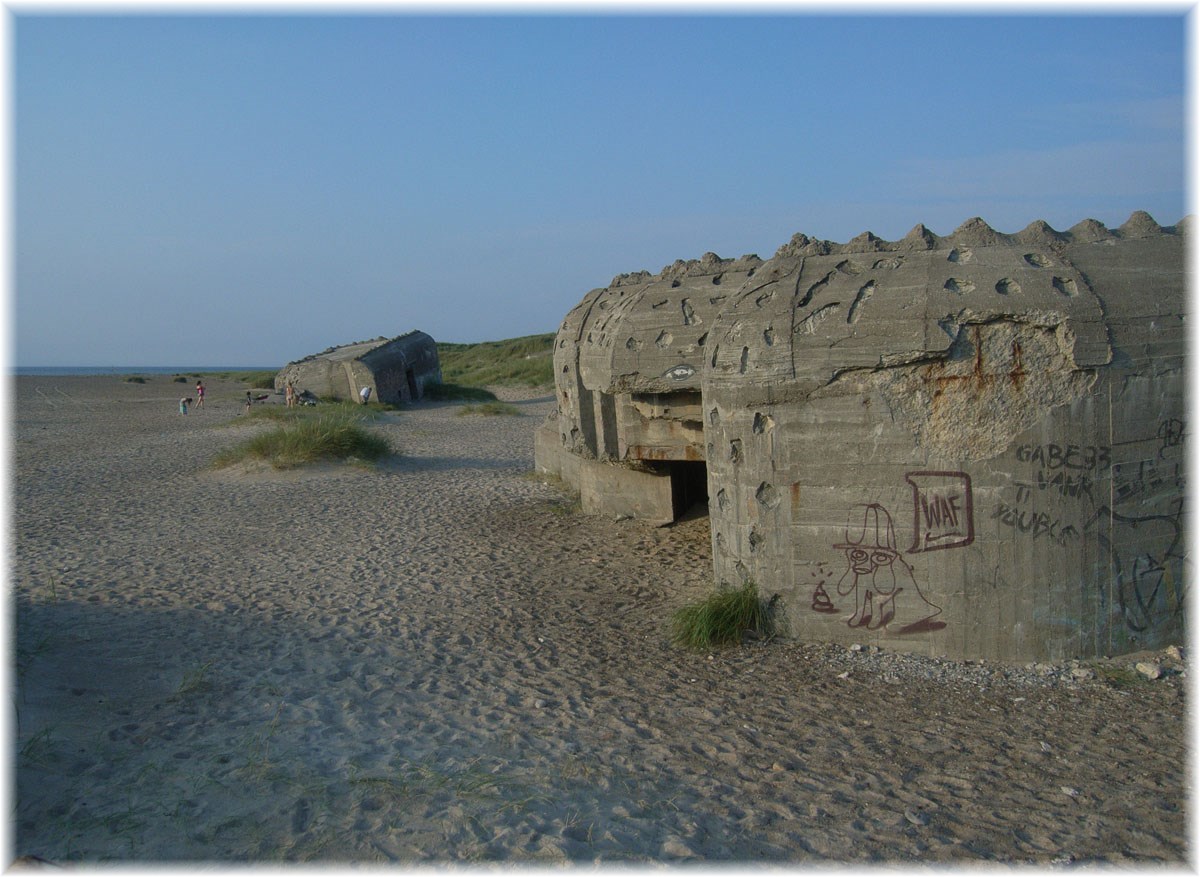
(689, 486)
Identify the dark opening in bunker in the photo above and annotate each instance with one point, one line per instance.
(689, 485)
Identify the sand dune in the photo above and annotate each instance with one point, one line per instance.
(440, 661)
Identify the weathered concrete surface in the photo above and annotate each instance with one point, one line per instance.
(396, 370)
(642, 337)
(968, 446)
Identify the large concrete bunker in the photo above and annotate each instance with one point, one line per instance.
(396, 369)
(968, 446)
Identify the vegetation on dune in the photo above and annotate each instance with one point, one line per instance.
(310, 435)
(526, 361)
(135, 379)
(722, 619)
(491, 409)
(436, 392)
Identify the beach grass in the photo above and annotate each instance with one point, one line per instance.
(491, 409)
(525, 361)
(302, 438)
(721, 619)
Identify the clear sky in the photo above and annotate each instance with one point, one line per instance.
(229, 189)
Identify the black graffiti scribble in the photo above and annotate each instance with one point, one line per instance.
(1054, 456)
(1144, 478)
(1035, 523)
(1144, 558)
(1170, 433)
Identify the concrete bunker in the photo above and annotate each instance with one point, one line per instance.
(396, 370)
(628, 432)
(968, 446)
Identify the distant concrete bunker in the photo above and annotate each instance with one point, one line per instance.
(395, 370)
(968, 446)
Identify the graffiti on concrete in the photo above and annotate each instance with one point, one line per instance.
(1054, 456)
(1136, 519)
(1146, 479)
(878, 580)
(943, 514)
(821, 601)
(1170, 433)
(1145, 564)
(1034, 523)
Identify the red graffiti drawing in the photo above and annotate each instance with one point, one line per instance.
(885, 593)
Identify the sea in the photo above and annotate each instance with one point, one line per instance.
(63, 370)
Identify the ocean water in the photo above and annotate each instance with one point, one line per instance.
(62, 370)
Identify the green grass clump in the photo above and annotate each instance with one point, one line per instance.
(1116, 676)
(526, 361)
(491, 409)
(180, 379)
(721, 619)
(441, 392)
(299, 439)
(135, 379)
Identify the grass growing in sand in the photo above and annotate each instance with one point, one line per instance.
(194, 680)
(439, 392)
(303, 438)
(524, 361)
(722, 619)
(491, 409)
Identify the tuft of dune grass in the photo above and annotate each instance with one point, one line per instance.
(299, 440)
(721, 619)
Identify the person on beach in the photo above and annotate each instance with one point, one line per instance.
(199, 395)
(290, 394)
(365, 394)
(249, 401)
(183, 405)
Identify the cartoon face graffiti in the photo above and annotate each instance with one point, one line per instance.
(884, 591)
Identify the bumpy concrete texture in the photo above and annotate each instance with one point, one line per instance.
(396, 370)
(968, 446)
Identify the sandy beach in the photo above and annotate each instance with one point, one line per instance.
(440, 660)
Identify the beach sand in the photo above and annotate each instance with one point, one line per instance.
(440, 660)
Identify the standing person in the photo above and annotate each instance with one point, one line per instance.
(249, 401)
(365, 394)
(199, 395)
(290, 394)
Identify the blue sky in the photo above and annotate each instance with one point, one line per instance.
(246, 190)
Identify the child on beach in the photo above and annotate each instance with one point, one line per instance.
(249, 401)
(183, 403)
(199, 395)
